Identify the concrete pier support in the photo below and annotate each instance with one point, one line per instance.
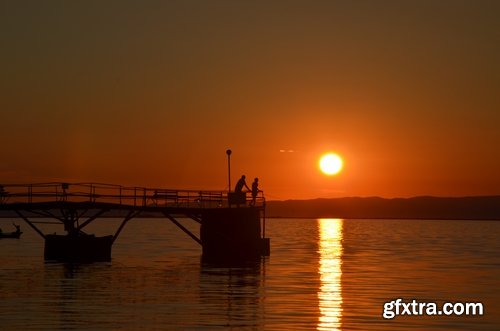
(232, 233)
(78, 248)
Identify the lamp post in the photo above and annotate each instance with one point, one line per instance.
(228, 152)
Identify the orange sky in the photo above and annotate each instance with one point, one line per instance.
(152, 93)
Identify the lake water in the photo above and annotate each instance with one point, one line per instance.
(325, 274)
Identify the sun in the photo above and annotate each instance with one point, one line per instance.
(331, 164)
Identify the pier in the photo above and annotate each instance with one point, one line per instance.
(230, 228)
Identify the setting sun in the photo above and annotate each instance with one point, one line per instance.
(330, 164)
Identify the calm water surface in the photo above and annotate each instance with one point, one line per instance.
(322, 274)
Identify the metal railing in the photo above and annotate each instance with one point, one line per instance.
(116, 194)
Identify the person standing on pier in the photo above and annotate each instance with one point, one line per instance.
(255, 191)
(239, 185)
(240, 196)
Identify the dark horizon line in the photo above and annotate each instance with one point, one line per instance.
(393, 198)
(423, 207)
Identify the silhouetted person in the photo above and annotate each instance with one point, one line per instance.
(255, 190)
(239, 196)
(239, 185)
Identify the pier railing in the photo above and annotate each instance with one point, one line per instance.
(116, 194)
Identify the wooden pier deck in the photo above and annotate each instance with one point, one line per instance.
(116, 196)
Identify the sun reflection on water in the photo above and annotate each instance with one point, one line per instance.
(330, 295)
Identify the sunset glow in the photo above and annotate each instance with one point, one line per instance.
(330, 164)
(194, 79)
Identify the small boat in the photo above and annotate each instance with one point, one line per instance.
(15, 234)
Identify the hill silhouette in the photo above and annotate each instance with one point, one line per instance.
(424, 207)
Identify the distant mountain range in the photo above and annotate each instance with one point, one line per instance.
(425, 207)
